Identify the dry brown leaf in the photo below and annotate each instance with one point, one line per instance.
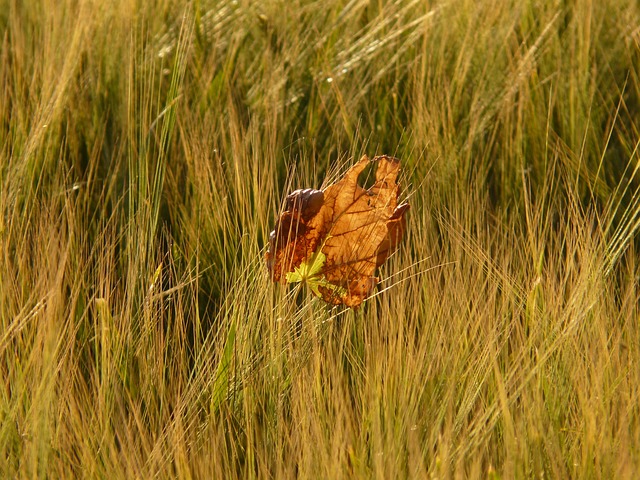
(334, 239)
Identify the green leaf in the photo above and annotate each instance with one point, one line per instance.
(308, 268)
(223, 372)
(309, 272)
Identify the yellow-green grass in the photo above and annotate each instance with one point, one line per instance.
(145, 151)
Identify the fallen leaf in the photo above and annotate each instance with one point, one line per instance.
(334, 239)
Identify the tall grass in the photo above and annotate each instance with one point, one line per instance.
(145, 149)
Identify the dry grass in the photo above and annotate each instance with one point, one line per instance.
(145, 149)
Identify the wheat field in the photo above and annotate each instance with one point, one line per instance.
(146, 149)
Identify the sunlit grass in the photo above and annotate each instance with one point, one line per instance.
(145, 151)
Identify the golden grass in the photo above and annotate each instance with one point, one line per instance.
(145, 149)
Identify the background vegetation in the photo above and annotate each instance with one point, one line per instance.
(145, 149)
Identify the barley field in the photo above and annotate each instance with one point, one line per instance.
(146, 149)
